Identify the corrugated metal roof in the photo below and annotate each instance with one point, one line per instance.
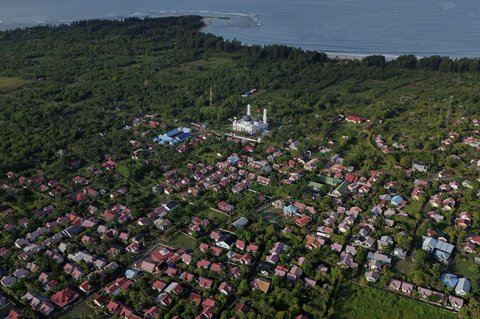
(443, 246)
(173, 132)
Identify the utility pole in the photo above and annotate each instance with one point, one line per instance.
(211, 96)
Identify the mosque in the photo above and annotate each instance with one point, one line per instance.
(249, 124)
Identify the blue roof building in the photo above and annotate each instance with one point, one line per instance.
(396, 200)
(183, 136)
(173, 132)
(233, 159)
(131, 273)
(450, 280)
(291, 210)
(162, 139)
(174, 136)
(442, 256)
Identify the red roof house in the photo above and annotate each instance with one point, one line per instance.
(64, 297)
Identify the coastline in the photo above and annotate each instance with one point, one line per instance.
(209, 21)
(358, 57)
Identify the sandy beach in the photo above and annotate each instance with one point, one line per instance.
(207, 21)
(353, 56)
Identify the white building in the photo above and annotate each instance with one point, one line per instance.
(249, 124)
(463, 287)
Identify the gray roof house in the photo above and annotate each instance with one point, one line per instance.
(8, 281)
(372, 276)
(400, 253)
(420, 166)
(440, 248)
(226, 241)
(463, 287)
(384, 259)
(240, 223)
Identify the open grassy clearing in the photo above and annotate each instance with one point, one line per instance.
(182, 241)
(82, 309)
(466, 266)
(355, 302)
(11, 82)
(404, 266)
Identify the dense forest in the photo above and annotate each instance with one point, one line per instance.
(65, 85)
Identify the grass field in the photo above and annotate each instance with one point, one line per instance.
(10, 82)
(216, 217)
(414, 207)
(466, 266)
(182, 241)
(405, 266)
(80, 309)
(211, 62)
(355, 302)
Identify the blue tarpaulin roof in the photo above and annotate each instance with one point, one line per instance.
(450, 280)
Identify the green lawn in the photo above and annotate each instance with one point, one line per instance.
(10, 82)
(81, 309)
(355, 302)
(214, 216)
(404, 266)
(182, 241)
(272, 214)
(414, 207)
(466, 266)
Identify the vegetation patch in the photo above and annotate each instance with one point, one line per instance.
(182, 241)
(356, 302)
(466, 266)
(7, 83)
(215, 216)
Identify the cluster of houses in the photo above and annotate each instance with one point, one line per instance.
(409, 289)
(55, 238)
(69, 239)
(182, 268)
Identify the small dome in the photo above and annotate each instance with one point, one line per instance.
(247, 118)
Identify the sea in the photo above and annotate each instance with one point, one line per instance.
(343, 27)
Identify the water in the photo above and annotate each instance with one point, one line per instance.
(352, 27)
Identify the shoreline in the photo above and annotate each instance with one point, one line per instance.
(209, 21)
(359, 57)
